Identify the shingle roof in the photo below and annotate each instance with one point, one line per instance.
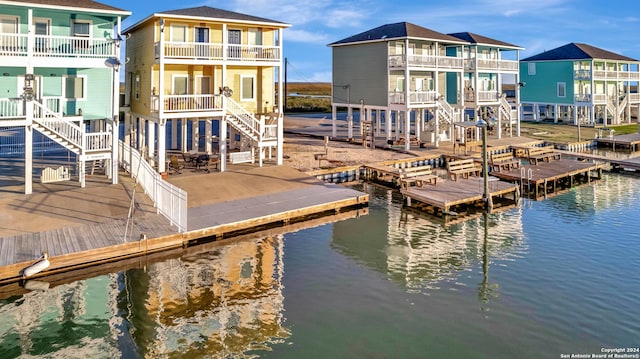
(213, 13)
(482, 40)
(577, 51)
(84, 4)
(398, 30)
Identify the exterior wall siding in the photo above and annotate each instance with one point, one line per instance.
(542, 87)
(364, 69)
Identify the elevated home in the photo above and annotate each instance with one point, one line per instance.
(404, 71)
(488, 65)
(191, 68)
(60, 65)
(580, 84)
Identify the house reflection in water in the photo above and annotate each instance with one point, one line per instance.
(225, 301)
(228, 300)
(421, 253)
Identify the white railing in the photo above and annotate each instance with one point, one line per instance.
(169, 200)
(634, 97)
(582, 74)
(421, 97)
(487, 96)
(11, 107)
(97, 141)
(270, 132)
(446, 110)
(51, 121)
(216, 51)
(449, 62)
(582, 98)
(243, 120)
(187, 103)
(599, 98)
(73, 46)
(611, 74)
(496, 65)
(13, 44)
(396, 97)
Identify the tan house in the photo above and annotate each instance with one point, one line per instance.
(203, 81)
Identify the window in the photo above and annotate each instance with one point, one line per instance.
(42, 31)
(247, 88)
(180, 85)
(75, 87)
(562, 89)
(255, 36)
(137, 87)
(202, 85)
(8, 25)
(400, 84)
(81, 28)
(178, 33)
(531, 68)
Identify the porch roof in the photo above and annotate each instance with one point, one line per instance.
(578, 51)
(399, 30)
(75, 5)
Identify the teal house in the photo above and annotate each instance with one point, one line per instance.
(580, 84)
(59, 75)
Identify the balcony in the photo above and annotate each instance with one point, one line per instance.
(56, 46)
(218, 52)
(187, 103)
(585, 98)
(426, 61)
(616, 75)
(495, 65)
(422, 97)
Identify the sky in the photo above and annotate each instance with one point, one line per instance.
(535, 25)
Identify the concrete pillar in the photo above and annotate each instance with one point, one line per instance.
(334, 128)
(350, 123)
(223, 145)
(151, 128)
(195, 131)
(183, 135)
(162, 151)
(407, 130)
(208, 130)
(174, 133)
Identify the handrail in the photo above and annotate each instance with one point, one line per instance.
(248, 123)
(52, 121)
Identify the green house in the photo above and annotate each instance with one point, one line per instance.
(59, 75)
(579, 84)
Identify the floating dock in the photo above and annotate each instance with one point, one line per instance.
(630, 141)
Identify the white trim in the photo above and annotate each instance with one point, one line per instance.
(81, 21)
(84, 88)
(564, 89)
(17, 23)
(66, 8)
(200, 26)
(253, 92)
(41, 20)
(531, 68)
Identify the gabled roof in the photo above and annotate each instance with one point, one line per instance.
(483, 40)
(71, 4)
(206, 13)
(577, 51)
(399, 30)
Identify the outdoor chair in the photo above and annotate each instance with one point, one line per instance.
(174, 165)
(202, 163)
(188, 160)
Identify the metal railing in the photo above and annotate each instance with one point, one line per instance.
(169, 200)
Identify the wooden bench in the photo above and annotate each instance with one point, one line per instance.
(463, 168)
(419, 175)
(240, 157)
(545, 154)
(506, 161)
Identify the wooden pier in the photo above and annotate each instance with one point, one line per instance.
(550, 178)
(630, 141)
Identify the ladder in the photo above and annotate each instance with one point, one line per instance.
(368, 135)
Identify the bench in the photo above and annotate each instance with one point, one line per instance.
(506, 161)
(463, 168)
(544, 154)
(240, 157)
(419, 175)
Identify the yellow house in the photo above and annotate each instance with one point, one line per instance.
(203, 81)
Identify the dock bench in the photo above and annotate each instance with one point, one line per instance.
(545, 154)
(418, 176)
(504, 161)
(240, 157)
(463, 168)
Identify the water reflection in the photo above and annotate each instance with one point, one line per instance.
(224, 302)
(421, 253)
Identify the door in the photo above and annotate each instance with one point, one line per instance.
(234, 38)
(42, 34)
(202, 42)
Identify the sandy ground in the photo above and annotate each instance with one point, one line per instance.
(299, 151)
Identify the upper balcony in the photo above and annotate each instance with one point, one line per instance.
(426, 61)
(193, 105)
(491, 65)
(22, 45)
(198, 51)
(585, 74)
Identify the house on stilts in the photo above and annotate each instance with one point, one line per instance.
(408, 83)
(580, 84)
(204, 80)
(60, 80)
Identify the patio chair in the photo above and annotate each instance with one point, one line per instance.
(189, 161)
(174, 165)
(202, 163)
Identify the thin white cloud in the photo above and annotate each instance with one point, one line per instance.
(294, 35)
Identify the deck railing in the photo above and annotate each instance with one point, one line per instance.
(56, 46)
(187, 103)
(491, 65)
(488, 96)
(169, 200)
(426, 61)
(423, 97)
(11, 108)
(216, 51)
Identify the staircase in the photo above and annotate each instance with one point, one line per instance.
(69, 134)
(446, 113)
(506, 112)
(259, 132)
(617, 110)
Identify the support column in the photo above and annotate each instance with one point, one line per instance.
(115, 155)
(162, 151)
(152, 141)
(334, 127)
(208, 135)
(195, 132)
(174, 133)
(407, 130)
(28, 150)
(555, 113)
(350, 123)
(223, 144)
(183, 135)
(387, 123)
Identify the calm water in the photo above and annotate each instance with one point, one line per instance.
(552, 277)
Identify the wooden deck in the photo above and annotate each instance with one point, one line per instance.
(550, 178)
(630, 141)
(459, 196)
(72, 246)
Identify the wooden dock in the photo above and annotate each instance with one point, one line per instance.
(551, 178)
(629, 141)
(462, 196)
